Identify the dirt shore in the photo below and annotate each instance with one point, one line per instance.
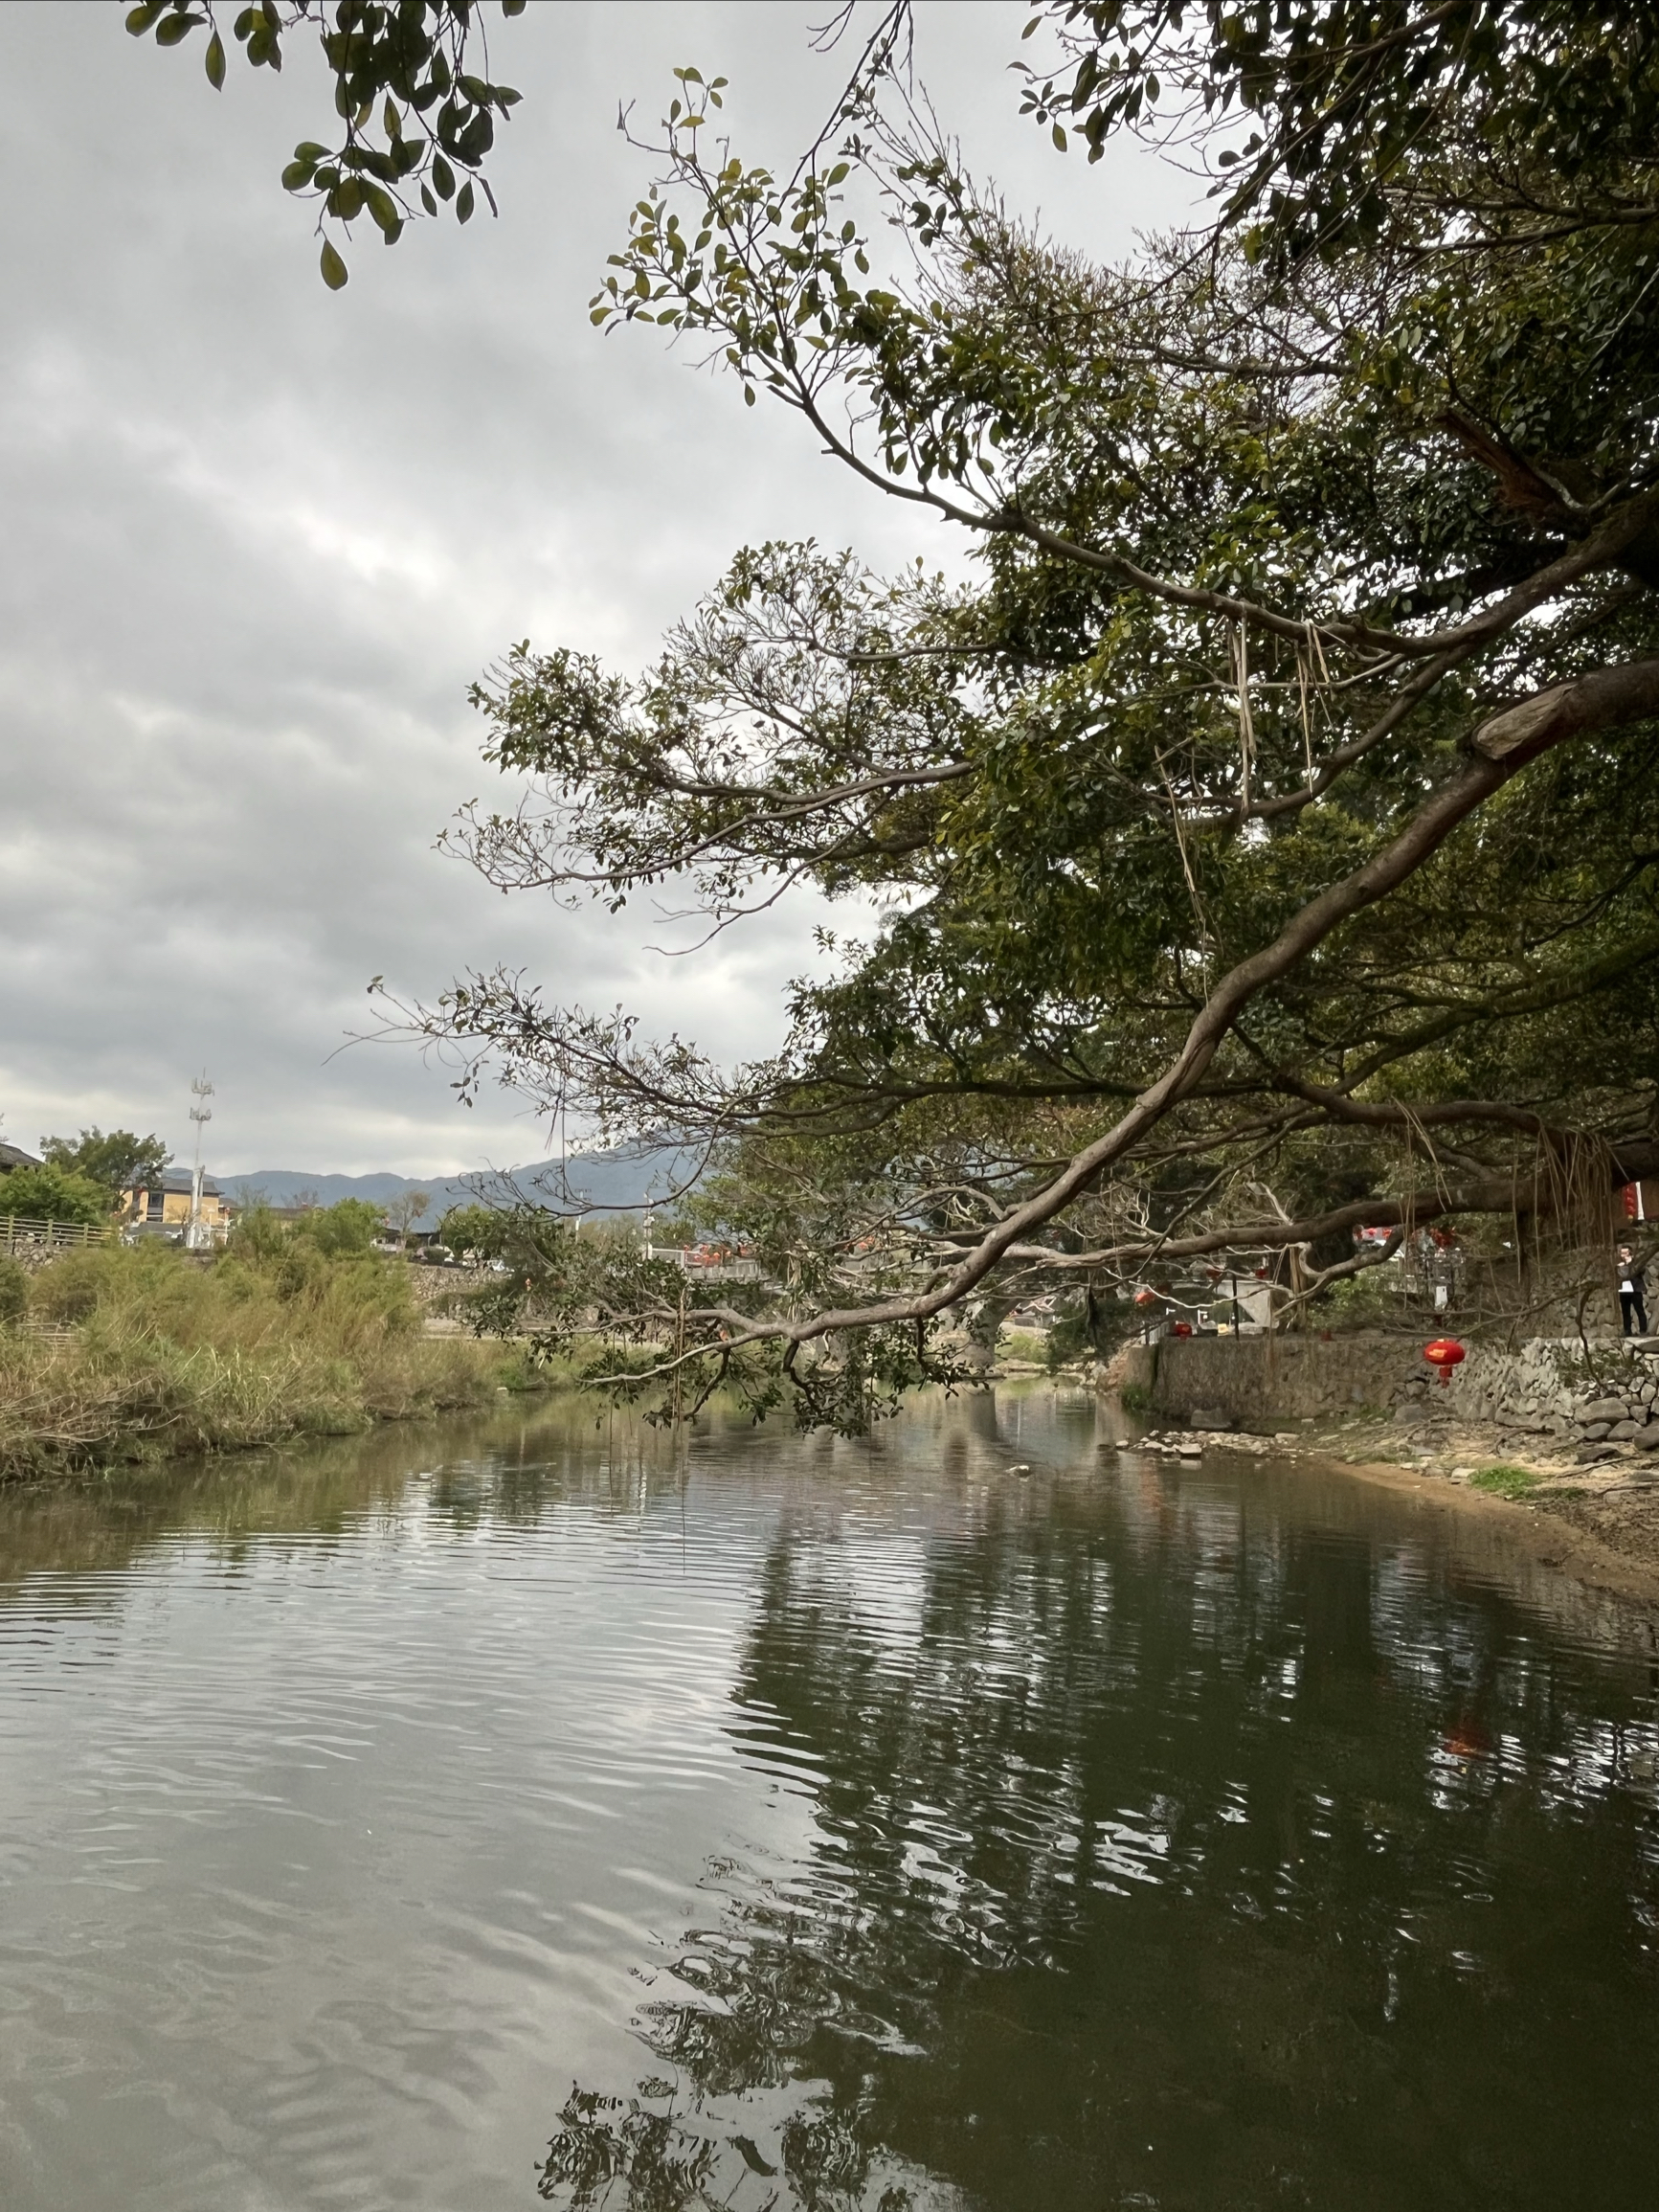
(1605, 1534)
(1598, 1524)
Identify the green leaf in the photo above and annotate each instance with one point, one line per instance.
(442, 177)
(140, 19)
(512, 7)
(174, 28)
(463, 202)
(427, 201)
(309, 150)
(333, 267)
(297, 176)
(477, 138)
(1059, 137)
(214, 63)
(383, 209)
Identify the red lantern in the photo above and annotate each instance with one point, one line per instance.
(1182, 1329)
(1145, 1298)
(1445, 1353)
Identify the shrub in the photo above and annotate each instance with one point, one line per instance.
(1029, 1347)
(67, 1291)
(52, 1193)
(13, 1293)
(1371, 1301)
(480, 1229)
(275, 1338)
(349, 1229)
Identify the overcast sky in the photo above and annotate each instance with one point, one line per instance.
(258, 540)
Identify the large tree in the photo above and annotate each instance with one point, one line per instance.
(115, 1162)
(1268, 824)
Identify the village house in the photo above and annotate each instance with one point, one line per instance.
(159, 1205)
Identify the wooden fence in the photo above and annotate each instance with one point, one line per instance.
(17, 1234)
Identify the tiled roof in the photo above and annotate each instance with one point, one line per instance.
(13, 1155)
(174, 1179)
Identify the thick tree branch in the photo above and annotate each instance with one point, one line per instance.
(1506, 1194)
(1523, 732)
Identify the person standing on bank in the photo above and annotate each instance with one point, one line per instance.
(1632, 1293)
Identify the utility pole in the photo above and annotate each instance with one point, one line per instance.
(196, 1236)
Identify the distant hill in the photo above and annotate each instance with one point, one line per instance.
(616, 1181)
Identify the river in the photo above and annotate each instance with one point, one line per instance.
(539, 1808)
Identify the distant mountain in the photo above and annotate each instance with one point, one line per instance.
(618, 1182)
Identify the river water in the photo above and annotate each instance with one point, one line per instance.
(459, 1814)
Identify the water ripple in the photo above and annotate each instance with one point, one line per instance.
(840, 1820)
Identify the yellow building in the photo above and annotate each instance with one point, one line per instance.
(159, 1205)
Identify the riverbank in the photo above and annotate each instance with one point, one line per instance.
(123, 1355)
(1563, 1434)
(1597, 1524)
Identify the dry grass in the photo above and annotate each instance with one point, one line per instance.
(169, 1355)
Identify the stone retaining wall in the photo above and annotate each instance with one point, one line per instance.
(1550, 1390)
(1254, 1379)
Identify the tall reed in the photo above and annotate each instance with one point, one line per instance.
(122, 1353)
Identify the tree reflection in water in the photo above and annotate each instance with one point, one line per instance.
(1168, 1844)
(663, 2165)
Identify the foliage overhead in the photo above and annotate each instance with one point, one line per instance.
(414, 119)
(1327, 125)
(1264, 829)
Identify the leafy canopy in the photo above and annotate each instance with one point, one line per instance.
(343, 1230)
(1263, 832)
(1267, 826)
(417, 121)
(53, 1193)
(115, 1162)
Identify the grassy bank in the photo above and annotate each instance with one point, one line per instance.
(116, 1354)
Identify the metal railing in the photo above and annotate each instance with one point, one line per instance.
(18, 1234)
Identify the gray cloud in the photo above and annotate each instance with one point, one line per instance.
(258, 539)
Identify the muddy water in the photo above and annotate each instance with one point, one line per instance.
(465, 1813)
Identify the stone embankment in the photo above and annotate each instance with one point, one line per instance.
(1568, 1429)
(1559, 1396)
